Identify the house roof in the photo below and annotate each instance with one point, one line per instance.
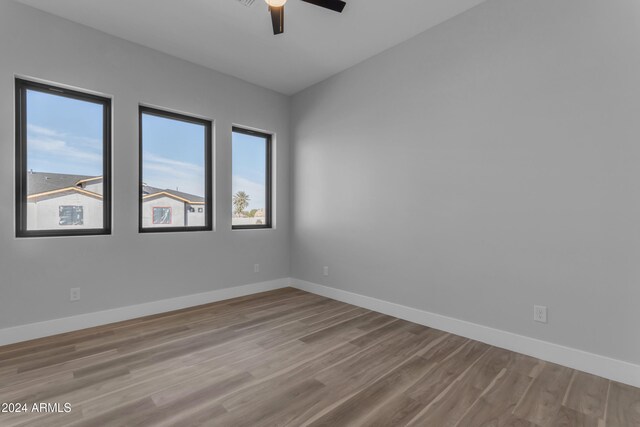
(149, 191)
(43, 183)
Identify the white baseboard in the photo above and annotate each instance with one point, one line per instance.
(68, 324)
(595, 364)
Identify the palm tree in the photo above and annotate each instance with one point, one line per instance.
(240, 202)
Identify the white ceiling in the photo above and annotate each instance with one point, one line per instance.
(235, 39)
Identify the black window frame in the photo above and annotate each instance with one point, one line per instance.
(268, 178)
(208, 174)
(21, 88)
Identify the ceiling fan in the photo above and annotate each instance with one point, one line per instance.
(276, 9)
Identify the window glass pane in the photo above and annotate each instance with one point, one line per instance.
(71, 215)
(174, 172)
(64, 150)
(250, 207)
(162, 215)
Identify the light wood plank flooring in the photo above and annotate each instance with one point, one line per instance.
(290, 358)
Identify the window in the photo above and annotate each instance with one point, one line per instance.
(175, 172)
(251, 179)
(162, 215)
(71, 215)
(63, 161)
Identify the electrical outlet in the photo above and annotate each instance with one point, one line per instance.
(325, 271)
(256, 268)
(74, 294)
(540, 313)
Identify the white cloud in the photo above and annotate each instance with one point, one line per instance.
(43, 131)
(93, 143)
(162, 163)
(59, 148)
(46, 133)
(51, 150)
(162, 172)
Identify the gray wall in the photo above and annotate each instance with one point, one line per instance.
(487, 165)
(127, 268)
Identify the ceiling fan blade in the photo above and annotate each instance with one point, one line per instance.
(277, 19)
(335, 5)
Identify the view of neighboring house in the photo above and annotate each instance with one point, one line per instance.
(57, 201)
(171, 208)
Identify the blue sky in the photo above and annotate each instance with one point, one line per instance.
(249, 168)
(173, 154)
(65, 136)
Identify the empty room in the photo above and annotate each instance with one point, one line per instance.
(245, 213)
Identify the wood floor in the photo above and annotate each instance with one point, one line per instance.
(291, 358)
